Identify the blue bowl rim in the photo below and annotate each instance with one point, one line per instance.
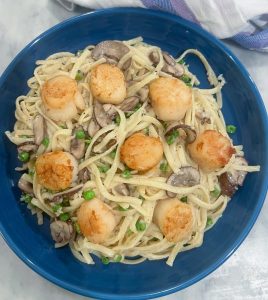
(254, 216)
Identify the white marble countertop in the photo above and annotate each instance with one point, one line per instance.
(243, 276)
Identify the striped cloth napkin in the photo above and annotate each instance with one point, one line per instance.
(244, 21)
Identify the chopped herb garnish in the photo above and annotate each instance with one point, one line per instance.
(126, 173)
(80, 134)
(164, 166)
(120, 208)
(182, 61)
(62, 126)
(128, 114)
(45, 142)
(56, 207)
(231, 128)
(165, 125)
(79, 76)
(64, 217)
(140, 225)
(89, 195)
(112, 154)
(137, 107)
(216, 192)
(185, 78)
(117, 258)
(184, 199)
(88, 140)
(77, 228)
(24, 156)
(209, 222)
(172, 136)
(27, 198)
(117, 120)
(103, 168)
(146, 131)
(105, 260)
(31, 173)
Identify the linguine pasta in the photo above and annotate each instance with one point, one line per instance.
(136, 237)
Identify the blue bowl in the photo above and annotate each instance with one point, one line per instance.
(242, 106)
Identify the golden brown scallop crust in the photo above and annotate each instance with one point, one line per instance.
(211, 150)
(141, 152)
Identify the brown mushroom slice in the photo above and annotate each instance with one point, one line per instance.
(61, 232)
(185, 131)
(100, 115)
(93, 127)
(129, 103)
(77, 146)
(83, 175)
(110, 110)
(27, 147)
(114, 50)
(122, 189)
(143, 93)
(187, 176)
(67, 193)
(170, 66)
(229, 181)
(39, 129)
(126, 64)
(25, 186)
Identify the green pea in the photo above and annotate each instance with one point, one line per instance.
(89, 195)
(105, 260)
(209, 222)
(164, 166)
(117, 258)
(103, 168)
(140, 225)
(216, 192)
(172, 136)
(45, 142)
(126, 174)
(56, 207)
(117, 120)
(231, 128)
(80, 134)
(27, 198)
(64, 217)
(24, 156)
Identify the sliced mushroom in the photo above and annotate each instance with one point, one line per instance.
(93, 127)
(229, 181)
(25, 186)
(129, 103)
(58, 197)
(143, 93)
(170, 66)
(186, 132)
(39, 129)
(187, 176)
(110, 110)
(83, 175)
(100, 115)
(27, 147)
(114, 50)
(126, 65)
(78, 146)
(122, 189)
(61, 232)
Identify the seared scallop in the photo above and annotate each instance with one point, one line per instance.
(96, 220)
(61, 98)
(107, 84)
(141, 152)
(56, 170)
(211, 150)
(174, 218)
(170, 98)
